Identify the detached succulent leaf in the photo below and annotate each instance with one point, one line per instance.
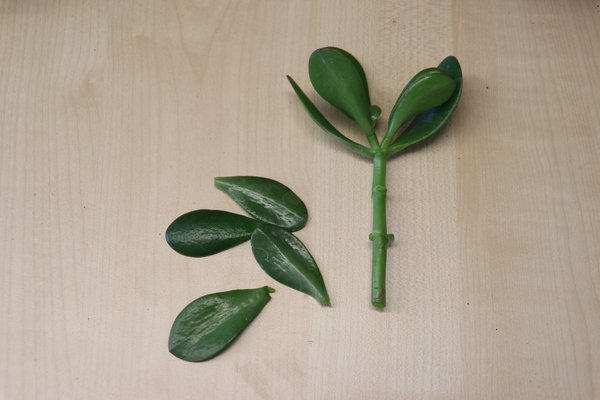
(430, 122)
(266, 200)
(209, 324)
(202, 233)
(320, 119)
(283, 257)
(339, 78)
(427, 89)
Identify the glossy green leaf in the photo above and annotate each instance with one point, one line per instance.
(430, 122)
(202, 233)
(266, 200)
(209, 324)
(283, 256)
(340, 79)
(316, 115)
(427, 89)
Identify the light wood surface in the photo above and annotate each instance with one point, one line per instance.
(115, 116)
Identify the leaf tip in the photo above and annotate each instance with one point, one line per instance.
(323, 299)
(451, 66)
(291, 80)
(450, 58)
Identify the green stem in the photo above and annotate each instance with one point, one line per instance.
(372, 139)
(379, 236)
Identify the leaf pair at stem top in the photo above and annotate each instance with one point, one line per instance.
(423, 107)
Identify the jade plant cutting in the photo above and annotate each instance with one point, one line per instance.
(424, 106)
(210, 323)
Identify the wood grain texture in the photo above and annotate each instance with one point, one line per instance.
(116, 116)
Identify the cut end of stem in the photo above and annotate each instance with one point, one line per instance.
(378, 299)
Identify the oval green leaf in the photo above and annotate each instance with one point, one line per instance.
(427, 89)
(427, 124)
(339, 78)
(320, 119)
(284, 258)
(209, 324)
(202, 233)
(266, 200)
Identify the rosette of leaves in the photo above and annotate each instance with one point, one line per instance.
(424, 106)
(276, 211)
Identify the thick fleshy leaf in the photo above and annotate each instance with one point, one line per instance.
(430, 122)
(427, 89)
(283, 256)
(202, 233)
(266, 200)
(340, 79)
(320, 119)
(209, 324)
